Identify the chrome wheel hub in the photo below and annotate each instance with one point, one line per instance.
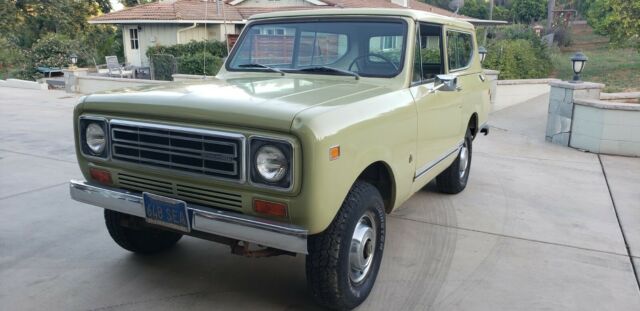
(362, 250)
(464, 159)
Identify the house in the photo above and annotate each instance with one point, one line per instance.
(169, 22)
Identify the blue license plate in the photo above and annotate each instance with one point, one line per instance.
(166, 212)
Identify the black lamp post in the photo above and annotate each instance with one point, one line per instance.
(74, 59)
(578, 61)
(483, 53)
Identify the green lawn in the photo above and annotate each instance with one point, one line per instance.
(618, 69)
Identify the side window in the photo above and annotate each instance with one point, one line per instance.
(318, 48)
(133, 37)
(428, 54)
(459, 49)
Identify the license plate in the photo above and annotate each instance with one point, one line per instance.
(166, 212)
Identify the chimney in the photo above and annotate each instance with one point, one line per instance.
(403, 3)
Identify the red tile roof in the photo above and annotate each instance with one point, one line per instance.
(194, 10)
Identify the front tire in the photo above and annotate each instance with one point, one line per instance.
(135, 238)
(454, 179)
(344, 260)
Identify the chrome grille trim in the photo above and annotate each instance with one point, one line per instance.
(204, 196)
(208, 153)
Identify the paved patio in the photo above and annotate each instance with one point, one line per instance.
(539, 227)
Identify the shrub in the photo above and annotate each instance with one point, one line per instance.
(563, 37)
(215, 48)
(11, 58)
(193, 64)
(163, 66)
(53, 50)
(517, 59)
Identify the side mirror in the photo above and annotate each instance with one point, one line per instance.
(447, 83)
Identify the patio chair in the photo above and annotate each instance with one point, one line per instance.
(116, 69)
(101, 69)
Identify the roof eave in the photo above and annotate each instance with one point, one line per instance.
(484, 22)
(165, 21)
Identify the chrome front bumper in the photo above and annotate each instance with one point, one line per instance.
(221, 223)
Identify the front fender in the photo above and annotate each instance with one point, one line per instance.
(382, 128)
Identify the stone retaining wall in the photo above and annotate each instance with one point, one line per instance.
(606, 127)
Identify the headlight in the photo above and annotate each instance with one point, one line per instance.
(271, 163)
(95, 138)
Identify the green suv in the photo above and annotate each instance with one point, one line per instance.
(319, 124)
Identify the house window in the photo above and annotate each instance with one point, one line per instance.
(274, 31)
(133, 37)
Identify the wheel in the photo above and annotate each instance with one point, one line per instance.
(454, 178)
(343, 261)
(138, 239)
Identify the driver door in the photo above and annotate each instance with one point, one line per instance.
(439, 112)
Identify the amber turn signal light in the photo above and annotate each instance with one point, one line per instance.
(101, 176)
(334, 153)
(270, 208)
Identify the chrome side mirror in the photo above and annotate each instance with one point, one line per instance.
(447, 83)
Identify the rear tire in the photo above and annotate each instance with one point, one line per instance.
(136, 238)
(343, 261)
(454, 179)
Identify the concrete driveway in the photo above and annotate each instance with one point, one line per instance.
(539, 227)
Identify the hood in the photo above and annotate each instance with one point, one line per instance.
(263, 102)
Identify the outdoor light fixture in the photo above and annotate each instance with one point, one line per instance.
(483, 53)
(74, 59)
(578, 61)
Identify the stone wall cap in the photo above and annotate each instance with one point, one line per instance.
(526, 81)
(186, 76)
(619, 96)
(122, 80)
(576, 86)
(601, 104)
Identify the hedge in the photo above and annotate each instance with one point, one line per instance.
(215, 48)
(188, 58)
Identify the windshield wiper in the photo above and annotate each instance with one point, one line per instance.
(330, 69)
(256, 65)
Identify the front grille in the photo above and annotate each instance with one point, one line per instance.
(198, 195)
(210, 153)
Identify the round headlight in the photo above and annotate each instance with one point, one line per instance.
(95, 138)
(271, 163)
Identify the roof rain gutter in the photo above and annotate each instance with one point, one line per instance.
(184, 29)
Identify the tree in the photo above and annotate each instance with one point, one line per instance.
(617, 19)
(527, 11)
(475, 8)
(130, 3)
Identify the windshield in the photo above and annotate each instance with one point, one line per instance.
(368, 48)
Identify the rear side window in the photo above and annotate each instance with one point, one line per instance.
(459, 49)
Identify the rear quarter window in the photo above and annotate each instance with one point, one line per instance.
(459, 49)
